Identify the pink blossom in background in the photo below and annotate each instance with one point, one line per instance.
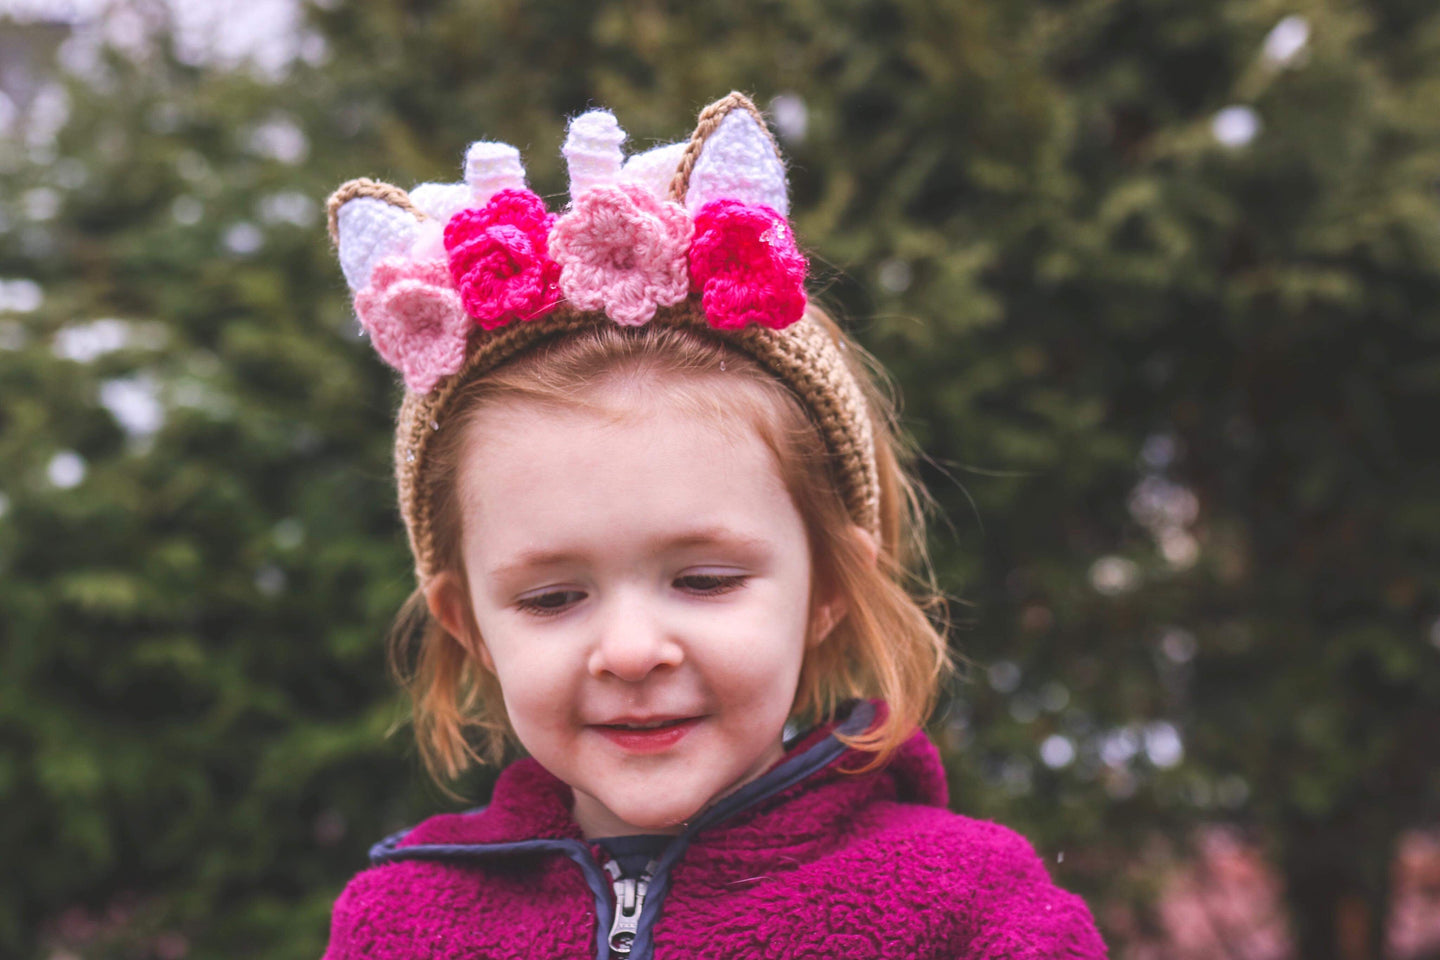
(500, 261)
(1414, 929)
(129, 925)
(1228, 904)
(622, 250)
(415, 319)
(745, 265)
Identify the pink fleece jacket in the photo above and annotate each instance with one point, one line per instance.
(806, 861)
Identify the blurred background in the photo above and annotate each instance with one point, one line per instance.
(1159, 281)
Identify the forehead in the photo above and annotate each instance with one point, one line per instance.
(625, 472)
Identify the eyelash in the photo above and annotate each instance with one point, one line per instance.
(533, 605)
(723, 583)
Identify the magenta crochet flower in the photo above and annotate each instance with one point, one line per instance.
(622, 249)
(500, 261)
(415, 319)
(746, 267)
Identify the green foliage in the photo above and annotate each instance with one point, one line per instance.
(1176, 400)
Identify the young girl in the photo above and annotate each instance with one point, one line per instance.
(660, 535)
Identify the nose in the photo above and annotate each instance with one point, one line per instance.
(632, 641)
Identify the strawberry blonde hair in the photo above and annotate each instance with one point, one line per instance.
(890, 644)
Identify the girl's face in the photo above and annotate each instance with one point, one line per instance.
(642, 588)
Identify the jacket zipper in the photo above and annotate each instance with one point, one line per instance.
(629, 901)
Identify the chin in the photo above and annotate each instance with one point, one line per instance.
(668, 819)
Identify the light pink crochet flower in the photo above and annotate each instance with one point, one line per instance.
(622, 249)
(499, 260)
(415, 319)
(746, 267)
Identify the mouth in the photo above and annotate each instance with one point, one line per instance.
(653, 724)
(653, 735)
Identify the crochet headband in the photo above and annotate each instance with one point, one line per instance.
(452, 280)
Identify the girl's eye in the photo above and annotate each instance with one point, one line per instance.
(549, 604)
(711, 584)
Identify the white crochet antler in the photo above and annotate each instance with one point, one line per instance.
(592, 151)
(594, 156)
(491, 167)
(738, 161)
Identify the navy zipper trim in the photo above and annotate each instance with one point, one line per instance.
(788, 774)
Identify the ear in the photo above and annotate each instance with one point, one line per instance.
(441, 201)
(370, 221)
(834, 607)
(654, 169)
(827, 618)
(868, 542)
(737, 159)
(449, 603)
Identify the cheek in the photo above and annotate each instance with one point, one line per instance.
(534, 683)
(761, 663)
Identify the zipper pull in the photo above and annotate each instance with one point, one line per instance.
(629, 901)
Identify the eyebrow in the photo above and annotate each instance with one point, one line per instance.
(702, 537)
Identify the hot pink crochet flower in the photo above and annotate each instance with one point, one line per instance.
(622, 249)
(746, 267)
(499, 259)
(415, 319)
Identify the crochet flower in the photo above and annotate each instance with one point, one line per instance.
(622, 249)
(746, 267)
(415, 319)
(500, 261)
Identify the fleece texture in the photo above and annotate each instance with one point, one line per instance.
(808, 861)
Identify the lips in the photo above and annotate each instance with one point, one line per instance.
(646, 734)
(644, 723)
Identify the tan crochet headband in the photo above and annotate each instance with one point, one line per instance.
(452, 280)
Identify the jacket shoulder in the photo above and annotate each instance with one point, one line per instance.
(448, 902)
(1001, 900)
(389, 907)
(368, 912)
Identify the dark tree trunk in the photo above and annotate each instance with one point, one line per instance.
(1337, 876)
